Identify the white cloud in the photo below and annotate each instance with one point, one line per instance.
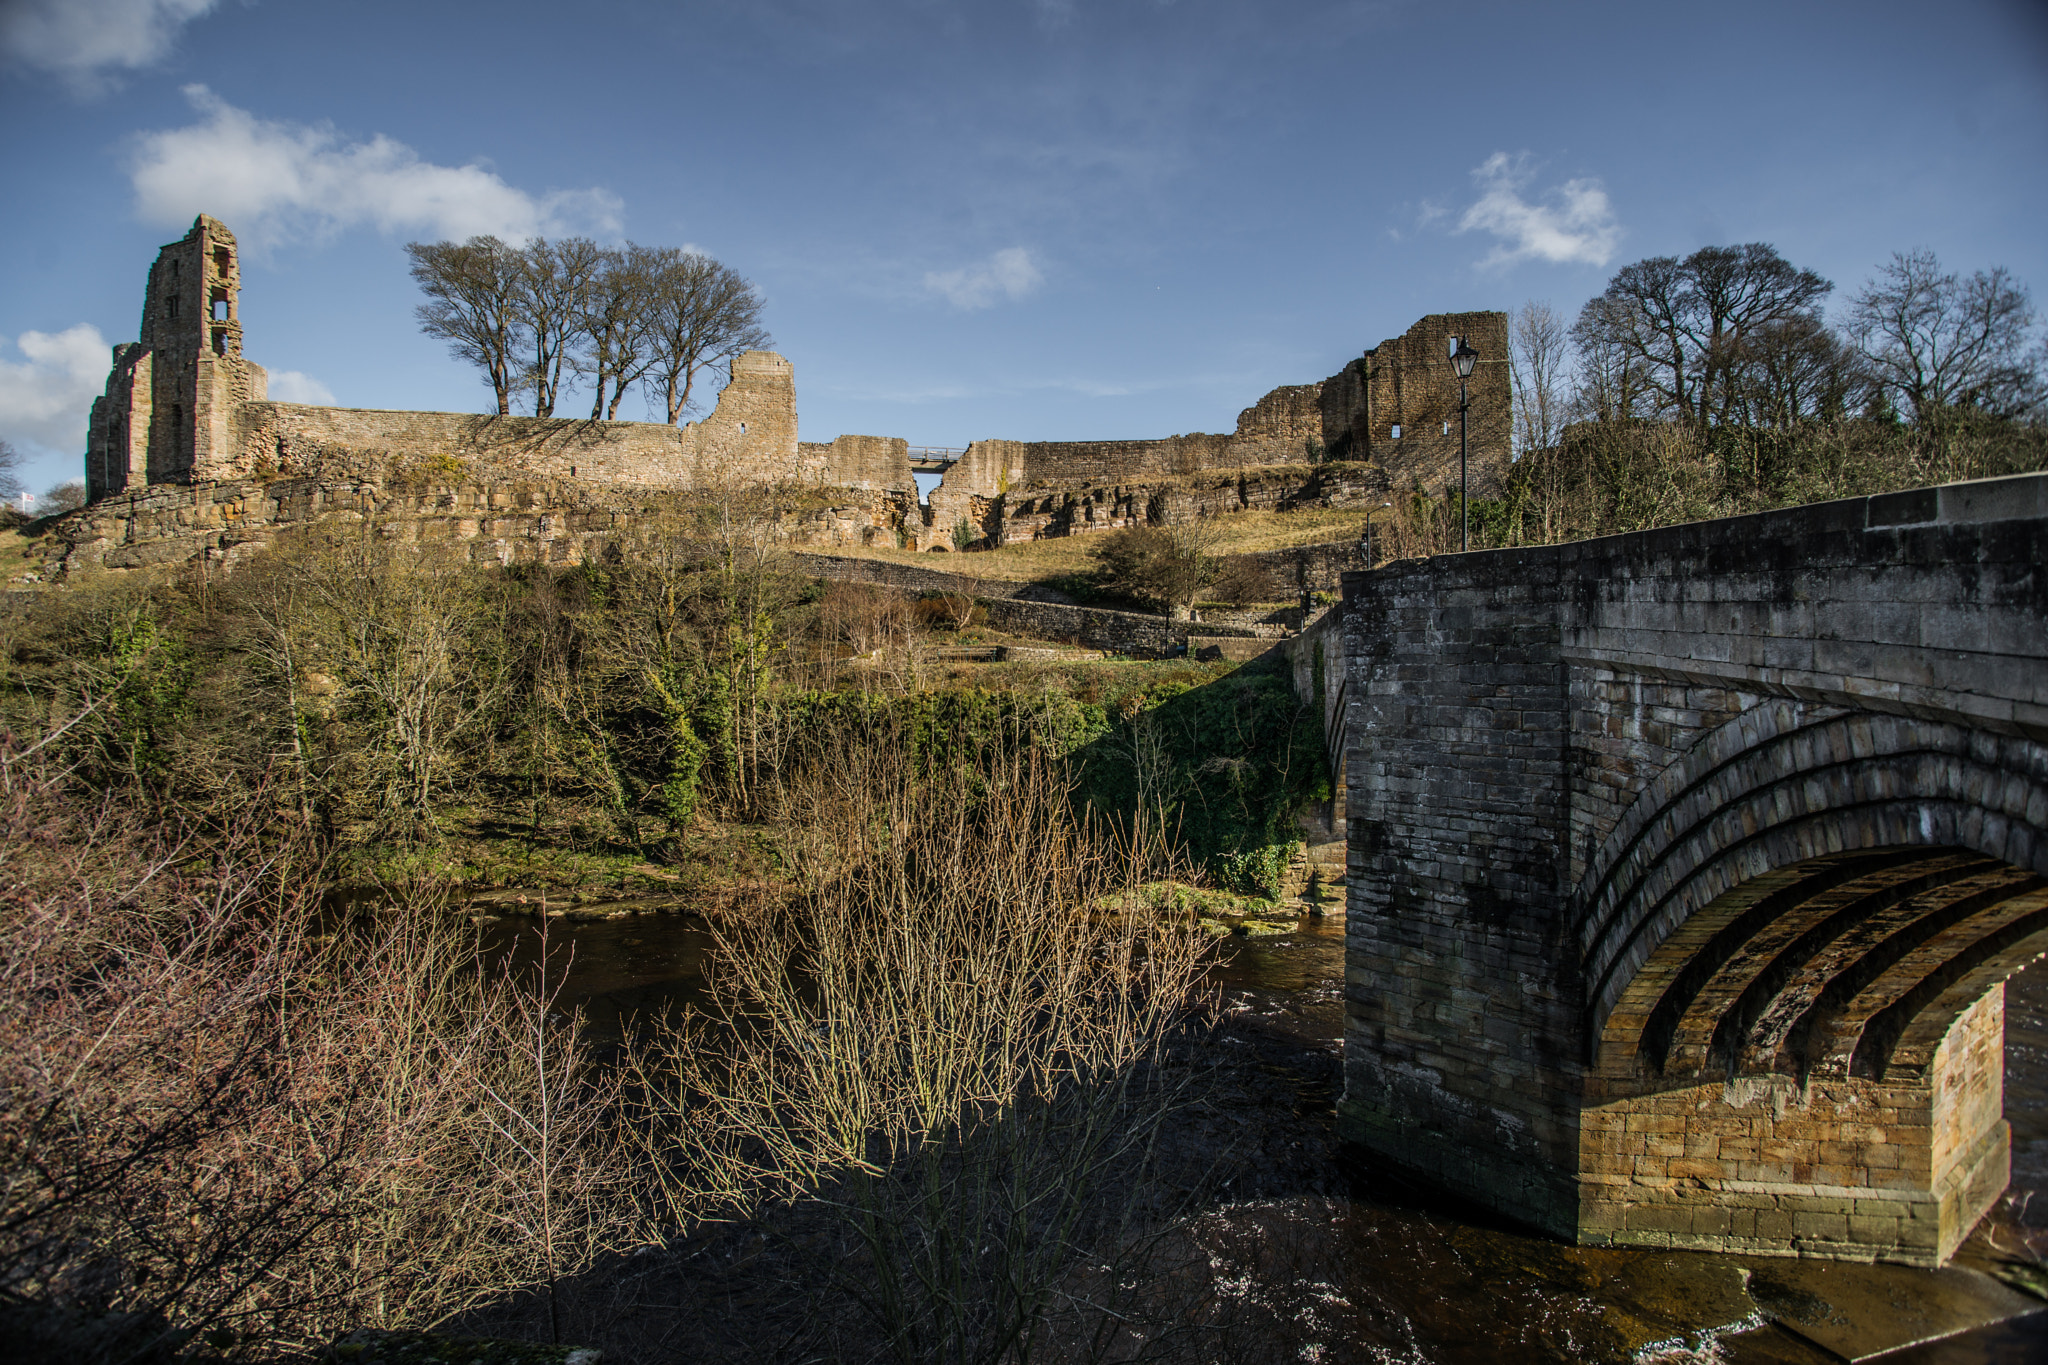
(81, 40)
(272, 181)
(1571, 222)
(46, 398)
(1008, 274)
(293, 386)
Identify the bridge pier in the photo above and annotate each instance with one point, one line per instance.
(1686, 869)
(1849, 1167)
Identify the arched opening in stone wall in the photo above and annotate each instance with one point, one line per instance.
(1815, 1061)
(1796, 947)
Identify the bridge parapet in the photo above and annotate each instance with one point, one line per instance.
(935, 459)
(1567, 769)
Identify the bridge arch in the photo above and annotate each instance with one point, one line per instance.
(1795, 944)
(1783, 783)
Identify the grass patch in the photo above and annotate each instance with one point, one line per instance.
(1188, 901)
(1065, 556)
(718, 856)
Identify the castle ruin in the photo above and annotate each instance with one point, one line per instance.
(186, 428)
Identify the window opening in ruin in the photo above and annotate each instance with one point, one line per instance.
(171, 305)
(222, 261)
(220, 305)
(1397, 431)
(220, 341)
(926, 485)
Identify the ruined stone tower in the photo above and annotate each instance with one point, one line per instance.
(1398, 404)
(168, 412)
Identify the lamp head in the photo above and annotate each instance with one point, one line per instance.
(1464, 358)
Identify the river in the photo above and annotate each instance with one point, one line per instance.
(1350, 1264)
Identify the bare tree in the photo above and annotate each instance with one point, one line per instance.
(554, 284)
(473, 297)
(64, 497)
(618, 326)
(1935, 341)
(1540, 351)
(613, 316)
(864, 616)
(1791, 371)
(10, 460)
(704, 315)
(1684, 321)
(395, 637)
(1612, 381)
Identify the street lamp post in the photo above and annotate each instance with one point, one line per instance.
(1463, 357)
(1372, 550)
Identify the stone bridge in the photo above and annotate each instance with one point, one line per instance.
(1687, 869)
(934, 459)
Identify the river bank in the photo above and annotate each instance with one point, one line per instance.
(1316, 1253)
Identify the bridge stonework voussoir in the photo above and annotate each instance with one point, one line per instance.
(1687, 867)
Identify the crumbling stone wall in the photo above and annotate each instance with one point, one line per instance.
(497, 517)
(874, 463)
(915, 578)
(182, 405)
(1034, 513)
(1133, 633)
(1406, 383)
(169, 410)
(749, 437)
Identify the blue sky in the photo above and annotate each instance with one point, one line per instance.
(1038, 219)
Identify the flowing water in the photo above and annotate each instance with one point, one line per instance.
(1348, 1264)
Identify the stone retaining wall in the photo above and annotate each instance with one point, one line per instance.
(915, 578)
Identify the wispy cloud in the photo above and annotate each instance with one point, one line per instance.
(46, 397)
(1008, 274)
(83, 41)
(1572, 222)
(295, 386)
(274, 181)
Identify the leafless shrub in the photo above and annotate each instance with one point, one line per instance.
(865, 617)
(951, 1041)
(221, 1121)
(1248, 578)
(944, 611)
